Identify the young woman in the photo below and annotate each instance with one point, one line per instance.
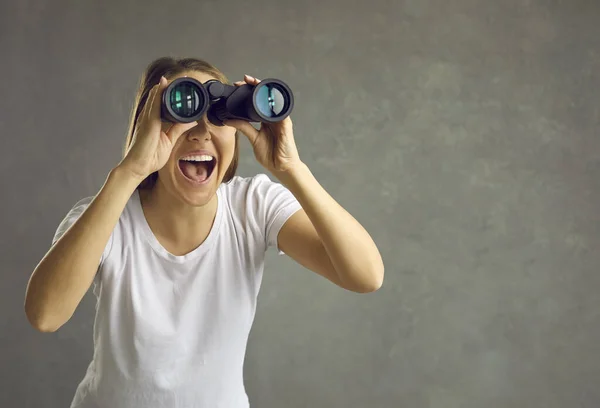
(175, 252)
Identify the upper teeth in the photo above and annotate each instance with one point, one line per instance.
(198, 158)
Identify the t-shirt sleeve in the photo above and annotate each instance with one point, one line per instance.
(72, 216)
(274, 205)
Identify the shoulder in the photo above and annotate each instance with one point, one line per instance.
(79, 208)
(71, 216)
(258, 198)
(249, 188)
(238, 182)
(75, 212)
(82, 204)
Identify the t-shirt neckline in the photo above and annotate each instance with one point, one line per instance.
(157, 246)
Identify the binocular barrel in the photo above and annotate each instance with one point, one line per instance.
(187, 99)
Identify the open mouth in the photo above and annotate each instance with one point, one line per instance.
(198, 168)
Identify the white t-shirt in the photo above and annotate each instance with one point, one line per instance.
(171, 331)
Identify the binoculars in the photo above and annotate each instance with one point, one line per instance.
(187, 100)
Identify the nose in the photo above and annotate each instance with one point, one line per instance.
(200, 131)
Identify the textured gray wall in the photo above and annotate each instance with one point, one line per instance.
(464, 134)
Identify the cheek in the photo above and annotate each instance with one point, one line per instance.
(170, 166)
(227, 148)
(166, 172)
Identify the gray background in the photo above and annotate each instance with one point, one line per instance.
(463, 134)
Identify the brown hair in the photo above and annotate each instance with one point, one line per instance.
(170, 67)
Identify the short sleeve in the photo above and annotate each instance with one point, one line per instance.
(72, 216)
(274, 205)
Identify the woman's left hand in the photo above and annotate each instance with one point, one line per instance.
(273, 143)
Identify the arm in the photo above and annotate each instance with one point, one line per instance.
(326, 239)
(323, 236)
(66, 272)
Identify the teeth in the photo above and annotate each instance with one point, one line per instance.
(197, 158)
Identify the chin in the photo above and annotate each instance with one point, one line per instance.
(196, 198)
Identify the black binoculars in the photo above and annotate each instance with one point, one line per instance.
(187, 100)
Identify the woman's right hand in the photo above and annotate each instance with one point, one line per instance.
(153, 140)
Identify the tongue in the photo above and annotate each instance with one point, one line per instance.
(197, 171)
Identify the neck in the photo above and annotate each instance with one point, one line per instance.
(174, 220)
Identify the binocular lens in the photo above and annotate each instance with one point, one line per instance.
(271, 100)
(186, 99)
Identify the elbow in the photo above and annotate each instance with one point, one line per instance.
(372, 277)
(372, 282)
(41, 313)
(39, 321)
(45, 328)
(376, 285)
(43, 325)
(370, 287)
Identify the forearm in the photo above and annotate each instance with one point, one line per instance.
(351, 250)
(66, 272)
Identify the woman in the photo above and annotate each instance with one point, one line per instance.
(174, 246)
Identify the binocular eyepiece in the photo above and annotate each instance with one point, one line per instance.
(187, 100)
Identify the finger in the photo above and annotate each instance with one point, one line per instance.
(156, 99)
(148, 105)
(251, 80)
(239, 83)
(178, 129)
(166, 126)
(144, 112)
(287, 124)
(245, 127)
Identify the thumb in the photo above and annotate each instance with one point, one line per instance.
(245, 127)
(178, 129)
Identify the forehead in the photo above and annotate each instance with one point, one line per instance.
(200, 76)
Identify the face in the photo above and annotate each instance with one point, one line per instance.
(195, 181)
